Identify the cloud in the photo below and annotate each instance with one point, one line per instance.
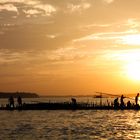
(7, 57)
(47, 8)
(66, 54)
(105, 36)
(29, 7)
(9, 7)
(51, 36)
(31, 12)
(95, 25)
(78, 7)
(125, 56)
(108, 1)
(27, 2)
(132, 23)
(50, 57)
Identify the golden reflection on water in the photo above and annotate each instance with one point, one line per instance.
(133, 120)
(80, 124)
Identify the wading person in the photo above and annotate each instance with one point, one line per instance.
(136, 99)
(74, 103)
(19, 101)
(11, 102)
(128, 104)
(122, 105)
(116, 103)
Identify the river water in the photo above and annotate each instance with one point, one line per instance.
(68, 124)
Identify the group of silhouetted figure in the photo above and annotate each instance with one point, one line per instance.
(118, 104)
(128, 105)
(12, 102)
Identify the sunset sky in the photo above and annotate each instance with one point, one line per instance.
(70, 47)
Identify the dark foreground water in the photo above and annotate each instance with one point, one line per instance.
(71, 125)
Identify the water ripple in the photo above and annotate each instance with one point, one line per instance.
(71, 125)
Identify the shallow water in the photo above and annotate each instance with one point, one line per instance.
(71, 125)
(57, 125)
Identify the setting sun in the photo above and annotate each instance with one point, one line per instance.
(133, 70)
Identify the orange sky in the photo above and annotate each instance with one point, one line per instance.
(72, 47)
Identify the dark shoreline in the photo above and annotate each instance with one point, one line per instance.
(67, 106)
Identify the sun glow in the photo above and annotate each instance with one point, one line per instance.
(130, 62)
(133, 70)
(131, 39)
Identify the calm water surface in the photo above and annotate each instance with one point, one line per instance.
(71, 125)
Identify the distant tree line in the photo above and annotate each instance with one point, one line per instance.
(17, 94)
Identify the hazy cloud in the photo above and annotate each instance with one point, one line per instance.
(30, 8)
(78, 7)
(106, 36)
(50, 57)
(108, 1)
(9, 7)
(48, 9)
(34, 13)
(28, 2)
(31, 12)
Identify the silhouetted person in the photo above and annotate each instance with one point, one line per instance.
(136, 99)
(129, 104)
(19, 100)
(122, 102)
(74, 103)
(11, 102)
(108, 103)
(73, 100)
(116, 103)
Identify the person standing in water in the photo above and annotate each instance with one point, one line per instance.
(136, 99)
(116, 103)
(19, 100)
(11, 102)
(122, 105)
